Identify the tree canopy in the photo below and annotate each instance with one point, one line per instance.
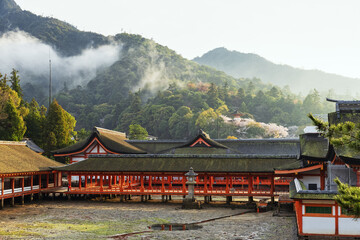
(137, 132)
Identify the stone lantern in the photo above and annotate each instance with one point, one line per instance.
(190, 198)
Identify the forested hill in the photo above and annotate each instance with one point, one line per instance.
(123, 80)
(250, 65)
(140, 63)
(65, 38)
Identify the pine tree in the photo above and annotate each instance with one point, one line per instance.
(15, 83)
(35, 122)
(13, 127)
(348, 198)
(61, 124)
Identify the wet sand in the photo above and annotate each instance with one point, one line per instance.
(87, 219)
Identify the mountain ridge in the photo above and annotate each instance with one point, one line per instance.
(249, 65)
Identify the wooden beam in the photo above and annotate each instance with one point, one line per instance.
(299, 170)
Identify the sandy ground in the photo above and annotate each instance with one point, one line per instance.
(85, 219)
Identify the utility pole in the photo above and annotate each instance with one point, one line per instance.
(50, 100)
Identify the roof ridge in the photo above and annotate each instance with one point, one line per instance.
(3, 142)
(109, 131)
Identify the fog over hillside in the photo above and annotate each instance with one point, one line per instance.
(250, 65)
(30, 57)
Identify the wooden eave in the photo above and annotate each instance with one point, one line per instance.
(85, 148)
(299, 170)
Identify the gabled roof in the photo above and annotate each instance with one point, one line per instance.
(182, 163)
(17, 157)
(112, 140)
(203, 140)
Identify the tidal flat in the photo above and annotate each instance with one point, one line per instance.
(88, 219)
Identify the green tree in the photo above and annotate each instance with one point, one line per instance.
(345, 134)
(60, 126)
(348, 198)
(13, 127)
(312, 102)
(180, 123)
(15, 83)
(137, 132)
(35, 122)
(82, 134)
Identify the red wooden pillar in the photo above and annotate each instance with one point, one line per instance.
(131, 181)
(141, 182)
(47, 180)
(205, 183)
(298, 209)
(23, 184)
(86, 178)
(60, 179)
(2, 185)
(227, 184)
(69, 181)
(163, 183)
(184, 183)
(170, 179)
(110, 181)
(12, 184)
(336, 219)
(150, 182)
(231, 182)
(322, 179)
(31, 182)
(40, 181)
(101, 183)
(250, 184)
(80, 180)
(272, 188)
(121, 182)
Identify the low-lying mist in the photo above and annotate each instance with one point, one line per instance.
(30, 57)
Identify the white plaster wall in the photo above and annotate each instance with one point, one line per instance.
(348, 226)
(101, 150)
(77, 159)
(311, 179)
(319, 225)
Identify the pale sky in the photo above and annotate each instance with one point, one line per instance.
(321, 34)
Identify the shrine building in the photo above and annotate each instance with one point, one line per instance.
(25, 172)
(252, 167)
